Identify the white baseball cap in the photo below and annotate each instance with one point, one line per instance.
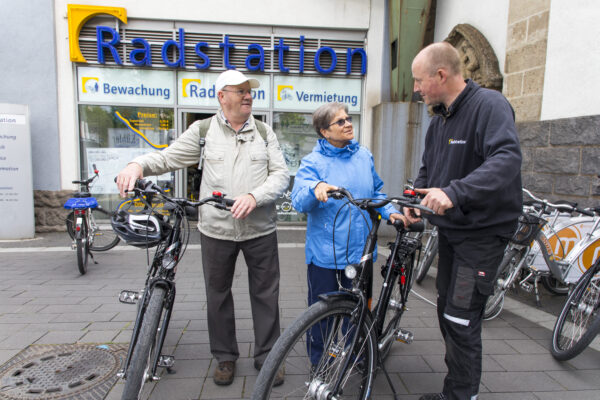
(234, 77)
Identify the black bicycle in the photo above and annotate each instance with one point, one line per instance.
(88, 224)
(155, 301)
(355, 339)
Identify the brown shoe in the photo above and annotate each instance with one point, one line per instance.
(279, 377)
(224, 373)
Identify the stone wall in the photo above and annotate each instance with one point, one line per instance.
(49, 212)
(526, 57)
(561, 158)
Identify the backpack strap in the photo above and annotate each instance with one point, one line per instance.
(262, 129)
(203, 126)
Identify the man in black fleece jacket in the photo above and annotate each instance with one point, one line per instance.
(471, 178)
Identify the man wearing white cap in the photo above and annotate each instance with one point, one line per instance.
(238, 162)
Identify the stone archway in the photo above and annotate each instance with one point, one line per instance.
(479, 62)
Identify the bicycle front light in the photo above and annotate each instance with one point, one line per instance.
(351, 271)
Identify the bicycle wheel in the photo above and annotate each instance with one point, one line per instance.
(81, 246)
(140, 369)
(495, 302)
(312, 370)
(579, 320)
(554, 286)
(429, 254)
(102, 235)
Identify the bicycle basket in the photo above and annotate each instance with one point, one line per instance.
(529, 226)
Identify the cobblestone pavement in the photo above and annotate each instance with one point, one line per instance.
(44, 300)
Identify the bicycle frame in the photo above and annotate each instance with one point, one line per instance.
(362, 290)
(583, 253)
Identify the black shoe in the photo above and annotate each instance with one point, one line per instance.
(279, 377)
(433, 396)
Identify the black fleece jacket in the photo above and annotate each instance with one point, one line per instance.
(472, 153)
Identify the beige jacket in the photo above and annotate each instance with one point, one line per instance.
(234, 164)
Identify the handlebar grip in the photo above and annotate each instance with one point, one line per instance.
(589, 213)
(228, 202)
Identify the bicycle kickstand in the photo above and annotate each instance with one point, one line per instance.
(92, 257)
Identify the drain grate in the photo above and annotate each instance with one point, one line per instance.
(74, 371)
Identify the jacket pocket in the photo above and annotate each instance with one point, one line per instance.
(259, 167)
(213, 171)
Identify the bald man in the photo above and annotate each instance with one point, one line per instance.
(471, 178)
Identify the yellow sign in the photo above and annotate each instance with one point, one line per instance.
(78, 15)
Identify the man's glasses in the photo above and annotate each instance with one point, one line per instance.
(240, 92)
(341, 122)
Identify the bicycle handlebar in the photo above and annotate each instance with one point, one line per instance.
(543, 203)
(89, 180)
(217, 199)
(404, 201)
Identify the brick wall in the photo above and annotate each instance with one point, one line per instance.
(561, 158)
(526, 57)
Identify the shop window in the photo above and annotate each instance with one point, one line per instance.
(297, 138)
(111, 136)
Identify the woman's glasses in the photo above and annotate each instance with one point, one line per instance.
(341, 122)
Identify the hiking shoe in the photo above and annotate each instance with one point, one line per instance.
(433, 396)
(224, 373)
(279, 377)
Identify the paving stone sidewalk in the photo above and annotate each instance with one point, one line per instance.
(44, 300)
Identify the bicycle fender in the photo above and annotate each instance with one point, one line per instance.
(333, 296)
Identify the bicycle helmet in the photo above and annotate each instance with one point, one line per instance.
(140, 230)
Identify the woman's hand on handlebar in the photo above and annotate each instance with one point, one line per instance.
(397, 216)
(321, 191)
(127, 177)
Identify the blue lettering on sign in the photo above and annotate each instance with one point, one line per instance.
(107, 39)
(326, 98)
(140, 90)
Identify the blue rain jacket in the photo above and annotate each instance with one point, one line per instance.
(350, 167)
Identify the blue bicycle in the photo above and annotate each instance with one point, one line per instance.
(88, 224)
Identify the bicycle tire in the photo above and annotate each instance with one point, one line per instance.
(495, 302)
(554, 286)
(81, 246)
(103, 236)
(143, 352)
(429, 254)
(579, 321)
(290, 352)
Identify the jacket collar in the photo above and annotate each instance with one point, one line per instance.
(467, 92)
(246, 132)
(329, 150)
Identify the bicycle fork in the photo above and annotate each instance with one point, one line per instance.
(160, 360)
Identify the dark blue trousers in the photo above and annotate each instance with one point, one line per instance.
(321, 280)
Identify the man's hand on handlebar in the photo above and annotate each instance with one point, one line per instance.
(436, 199)
(127, 177)
(321, 191)
(243, 206)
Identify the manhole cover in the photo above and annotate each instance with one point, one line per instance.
(78, 371)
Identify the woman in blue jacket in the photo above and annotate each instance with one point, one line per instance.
(337, 160)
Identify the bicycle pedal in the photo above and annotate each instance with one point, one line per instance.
(404, 336)
(528, 287)
(129, 296)
(166, 361)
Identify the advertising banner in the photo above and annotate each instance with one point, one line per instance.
(131, 86)
(198, 89)
(308, 93)
(16, 179)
